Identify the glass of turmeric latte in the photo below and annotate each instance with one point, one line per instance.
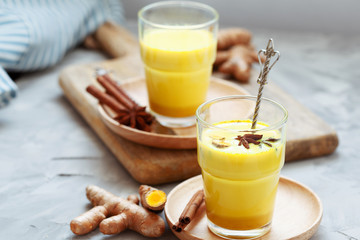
(240, 165)
(178, 47)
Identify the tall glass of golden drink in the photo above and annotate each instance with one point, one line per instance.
(240, 166)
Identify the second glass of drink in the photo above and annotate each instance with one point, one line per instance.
(178, 47)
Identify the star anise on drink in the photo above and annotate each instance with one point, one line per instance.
(249, 138)
(267, 141)
(127, 111)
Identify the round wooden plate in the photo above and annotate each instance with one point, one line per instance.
(163, 137)
(297, 215)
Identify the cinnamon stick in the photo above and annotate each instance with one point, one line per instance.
(120, 90)
(104, 98)
(178, 227)
(128, 112)
(189, 211)
(110, 88)
(194, 204)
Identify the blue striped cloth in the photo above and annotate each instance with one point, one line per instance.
(36, 34)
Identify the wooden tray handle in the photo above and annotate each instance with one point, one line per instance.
(112, 39)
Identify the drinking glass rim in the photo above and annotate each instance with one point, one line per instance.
(179, 3)
(273, 126)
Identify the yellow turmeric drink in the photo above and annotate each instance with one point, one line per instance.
(240, 173)
(178, 65)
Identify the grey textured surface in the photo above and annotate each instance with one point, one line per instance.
(306, 15)
(48, 154)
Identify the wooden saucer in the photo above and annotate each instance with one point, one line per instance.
(297, 215)
(163, 137)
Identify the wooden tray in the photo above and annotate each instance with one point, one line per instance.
(297, 215)
(162, 137)
(307, 136)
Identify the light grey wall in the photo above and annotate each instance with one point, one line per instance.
(341, 16)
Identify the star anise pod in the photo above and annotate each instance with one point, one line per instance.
(249, 138)
(136, 117)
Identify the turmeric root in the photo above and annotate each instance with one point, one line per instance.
(152, 198)
(115, 214)
(133, 198)
(233, 36)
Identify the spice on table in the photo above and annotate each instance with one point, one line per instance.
(128, 112)
(189, 211)
(114, 214)
(151, 198)
(133, 198)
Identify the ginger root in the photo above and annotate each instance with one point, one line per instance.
(237, 61)
(152, 198)
(229, 37)
(235, 54)
(115, 214)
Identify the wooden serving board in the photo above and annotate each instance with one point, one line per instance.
(308, 135)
